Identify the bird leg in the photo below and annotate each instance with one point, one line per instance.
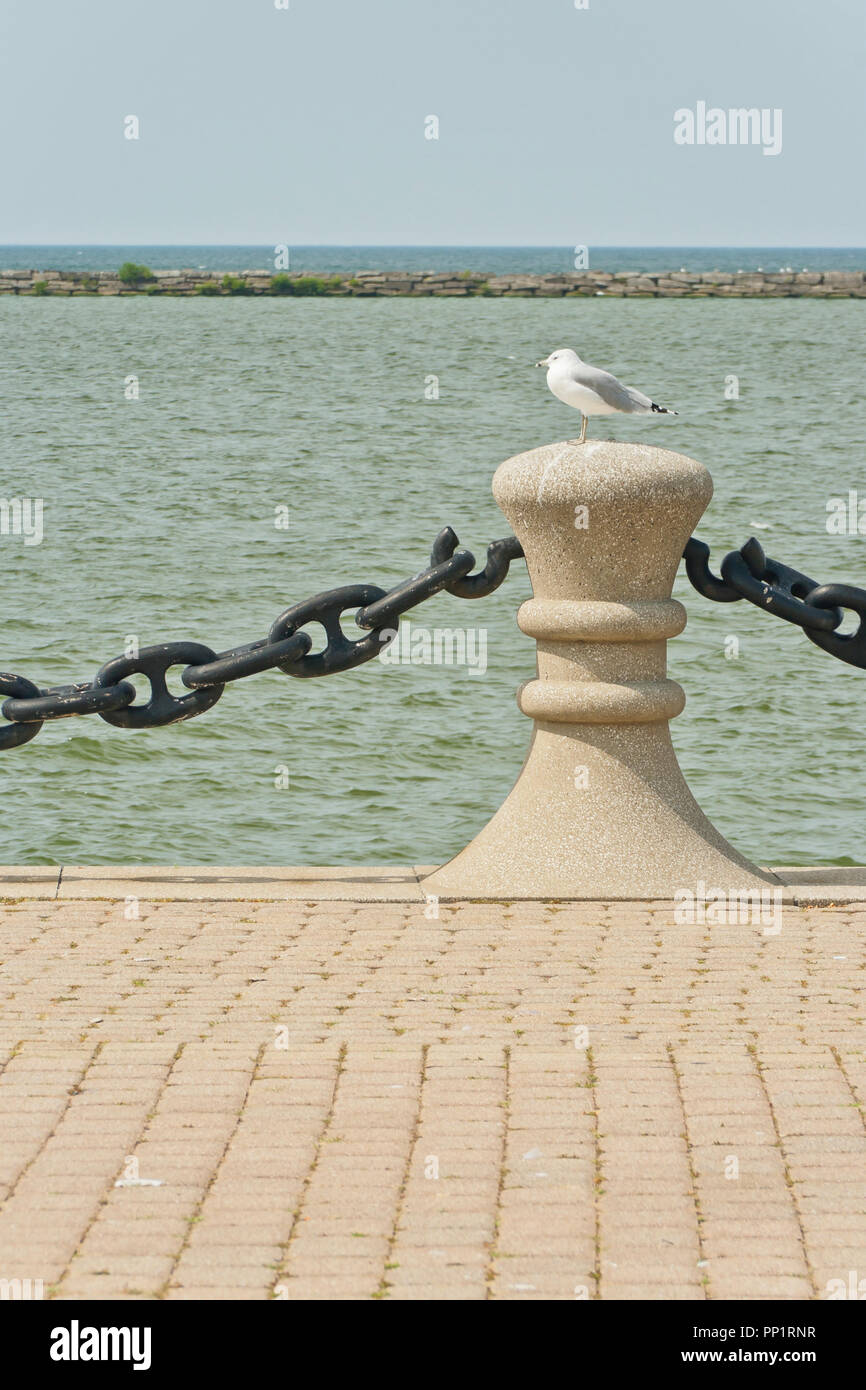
(582, 439)
(583, 424)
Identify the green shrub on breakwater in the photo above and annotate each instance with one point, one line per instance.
(304, 285)
(236, 284)
(132, 274)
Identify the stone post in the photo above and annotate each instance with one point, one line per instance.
(601, 808)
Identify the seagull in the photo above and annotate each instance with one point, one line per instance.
(593, 391)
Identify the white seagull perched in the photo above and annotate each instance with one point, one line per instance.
(593, 391)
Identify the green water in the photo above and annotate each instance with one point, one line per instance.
(159, 522)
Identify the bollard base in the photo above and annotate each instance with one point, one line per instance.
(580, 823)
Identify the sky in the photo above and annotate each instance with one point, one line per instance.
(306, 125)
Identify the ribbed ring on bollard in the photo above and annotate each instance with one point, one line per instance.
(583, 620)
(601, 702)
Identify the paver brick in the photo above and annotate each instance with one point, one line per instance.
(345, 1101)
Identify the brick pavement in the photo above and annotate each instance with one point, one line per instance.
(346, 1100)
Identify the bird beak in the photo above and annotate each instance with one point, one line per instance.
(543, 363)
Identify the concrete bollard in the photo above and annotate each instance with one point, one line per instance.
(601, 808)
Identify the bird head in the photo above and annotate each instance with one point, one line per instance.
(561, 355)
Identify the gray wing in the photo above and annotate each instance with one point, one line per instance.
(612, 392)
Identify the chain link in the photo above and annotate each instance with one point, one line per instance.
(747, 573)
(786, 593)
(286, 648)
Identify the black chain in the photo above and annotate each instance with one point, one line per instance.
(286, 648)
(746, 573)
(786, 593)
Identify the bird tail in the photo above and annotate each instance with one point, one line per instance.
(663, 410)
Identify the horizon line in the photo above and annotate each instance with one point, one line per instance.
(453, 246)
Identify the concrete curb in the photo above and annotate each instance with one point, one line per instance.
(819, 886)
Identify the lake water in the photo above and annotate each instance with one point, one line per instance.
(159, 522)
(498, 260)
